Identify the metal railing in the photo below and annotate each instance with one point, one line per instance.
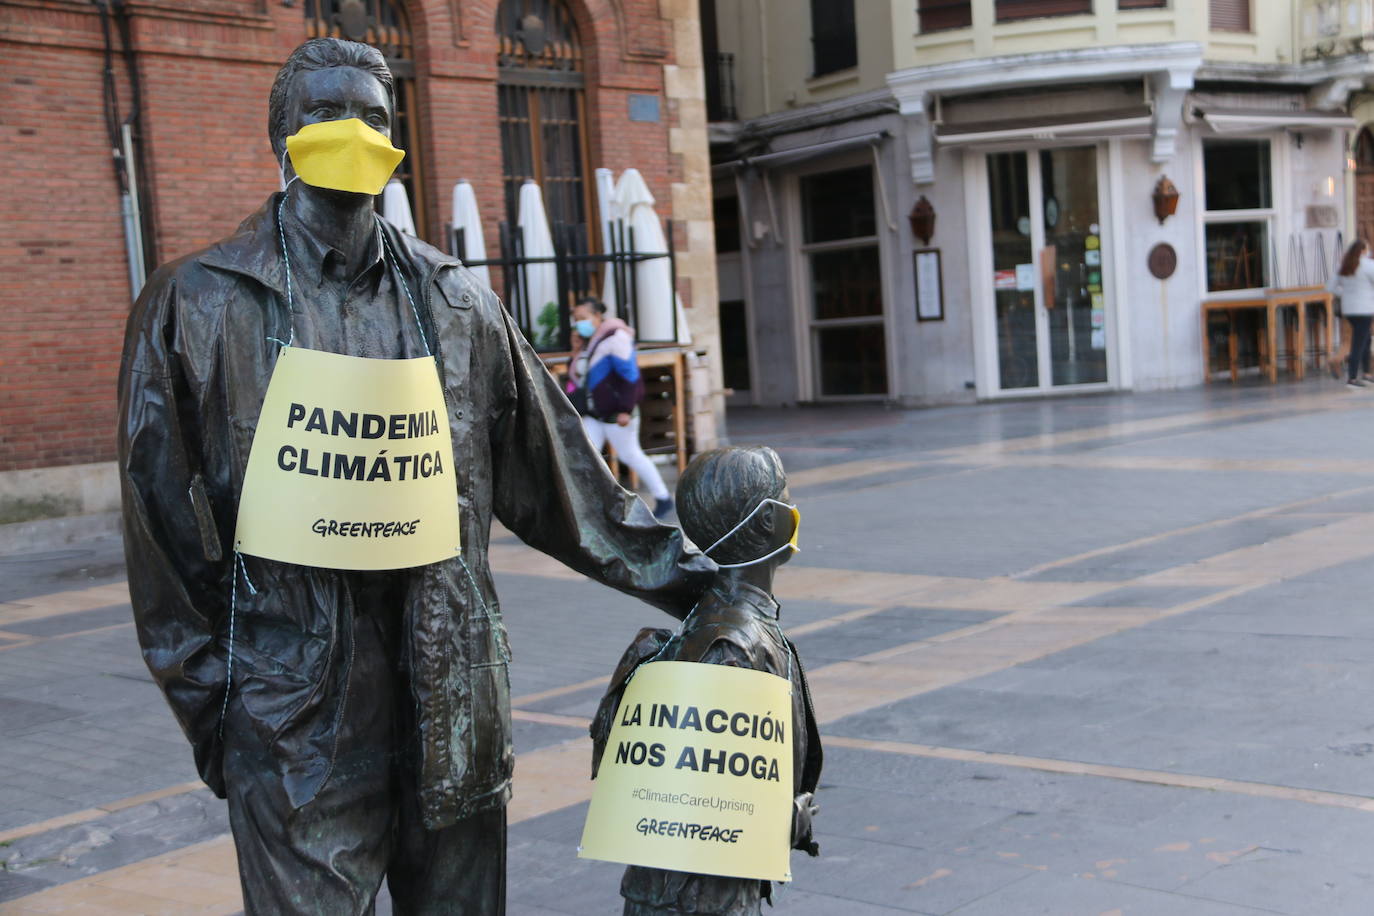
(720, 88)
(580, 272)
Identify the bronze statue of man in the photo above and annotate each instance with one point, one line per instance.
(356, 721)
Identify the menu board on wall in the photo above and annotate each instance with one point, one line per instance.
(930, 298)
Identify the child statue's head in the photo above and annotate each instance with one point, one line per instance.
(733, 503)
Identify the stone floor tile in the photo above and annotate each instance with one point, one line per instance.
(901, 877)
(1046, 894)
(1254, 686)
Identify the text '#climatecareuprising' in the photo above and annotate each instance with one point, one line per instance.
(693, 801)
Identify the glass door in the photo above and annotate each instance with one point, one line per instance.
(1050, 306)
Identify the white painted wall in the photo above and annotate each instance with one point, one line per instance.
(937, 356)
(1164, 333)
(1165, 330)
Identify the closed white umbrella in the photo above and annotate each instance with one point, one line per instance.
(540, 280)
(606, 207)
(655, 299)
(605, 203)
(396, 207)
(467, 220)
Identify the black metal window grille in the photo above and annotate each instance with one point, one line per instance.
(720, 88)
(834, 44)
(542, 108)
(580, 272)
(380, 23)
(720, 68)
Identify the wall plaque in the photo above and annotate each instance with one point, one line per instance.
(1163, 261)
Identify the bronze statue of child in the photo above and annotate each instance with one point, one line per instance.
(736, 501)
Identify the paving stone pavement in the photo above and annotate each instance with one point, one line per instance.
(1103, 655)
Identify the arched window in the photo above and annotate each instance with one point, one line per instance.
(1364, 149)
(384, 25)
(542, 107)
(1364, 184)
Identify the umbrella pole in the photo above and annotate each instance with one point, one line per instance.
(672, 279)
(634, 277)
(622, 278)
(523, 314)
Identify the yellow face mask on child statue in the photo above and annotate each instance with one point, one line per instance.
(344, 155)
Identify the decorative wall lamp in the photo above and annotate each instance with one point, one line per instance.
(923, 220)
(1165, 198)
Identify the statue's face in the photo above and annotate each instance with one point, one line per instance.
(335, 95)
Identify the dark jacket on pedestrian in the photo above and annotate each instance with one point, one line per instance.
(197, 360)
(611, 381)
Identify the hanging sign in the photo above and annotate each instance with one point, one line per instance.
(351, 465)
(697, 774)
(930, 305)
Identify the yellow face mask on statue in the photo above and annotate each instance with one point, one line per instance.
(790, 545)
(344, 155)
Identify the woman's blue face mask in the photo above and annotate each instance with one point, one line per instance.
(585, 328)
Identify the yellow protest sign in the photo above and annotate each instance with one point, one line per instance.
(351, 465)
(697, 774)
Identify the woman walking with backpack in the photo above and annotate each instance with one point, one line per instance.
(605, 386)
(1355, 283)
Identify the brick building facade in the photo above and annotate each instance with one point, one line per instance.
(202, 70)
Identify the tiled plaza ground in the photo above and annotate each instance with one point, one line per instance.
(1106, 655)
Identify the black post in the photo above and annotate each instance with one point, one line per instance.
(565, 307)
(507, 260)
(634, 276)
(672, 275)
(522, 315)
(560, 272)
(622, 285)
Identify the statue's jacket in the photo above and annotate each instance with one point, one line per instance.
(198, 356)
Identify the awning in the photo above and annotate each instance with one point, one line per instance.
(803, 153)
(1133, 121)
(1253, 120)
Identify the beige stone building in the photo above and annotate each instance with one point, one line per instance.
(931, 201)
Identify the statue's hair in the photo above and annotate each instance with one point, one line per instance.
(722, 486)
(321, 54)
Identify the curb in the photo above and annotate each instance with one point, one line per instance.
(51, 533)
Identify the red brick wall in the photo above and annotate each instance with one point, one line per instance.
(64, 286)
(206, 67)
